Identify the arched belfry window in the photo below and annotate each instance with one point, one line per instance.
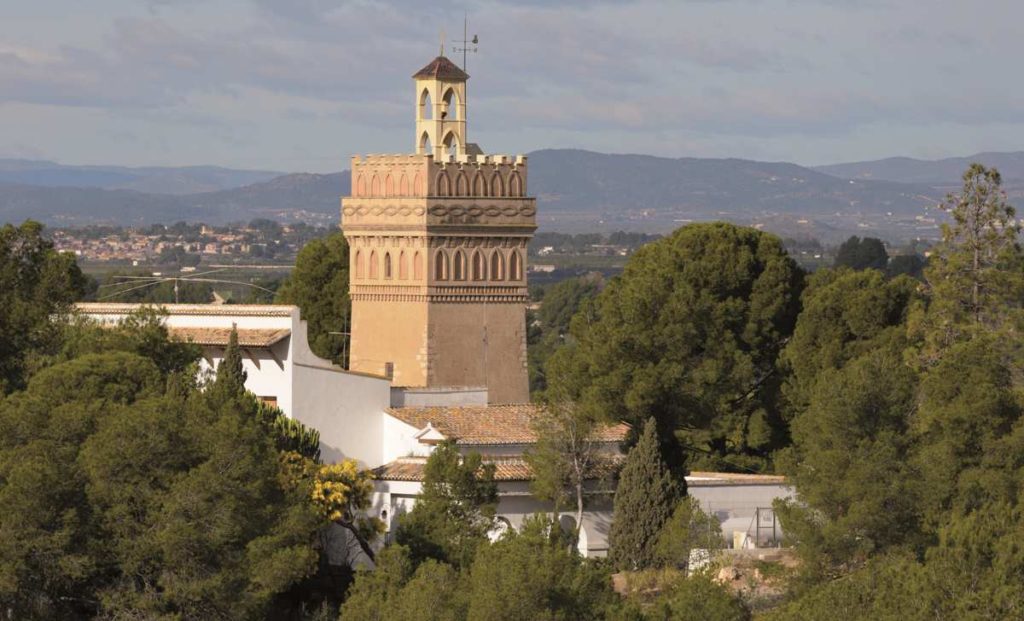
(451, 144)
(479, 266)
(497, 266)
(425, 146)
(426, 111)
(515, 266)
(450, 112)
(440, 265)
(459, 266)
(387, 265)
(373, 264)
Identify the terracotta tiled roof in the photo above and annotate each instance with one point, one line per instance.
(247, 337)
(506, 468)
(490, 424)
(237, 310)
(442, 69)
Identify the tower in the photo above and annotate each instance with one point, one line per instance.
(438, 254)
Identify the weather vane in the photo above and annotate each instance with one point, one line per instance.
(466, 42)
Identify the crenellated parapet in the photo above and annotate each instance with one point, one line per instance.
(421, 176)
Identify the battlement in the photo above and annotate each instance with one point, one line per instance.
(420, 176)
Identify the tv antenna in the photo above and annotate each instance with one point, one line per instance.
(465, 42)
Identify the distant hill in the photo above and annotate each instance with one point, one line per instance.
(577, 191)
(155, 180)
(290, 197)
(575, 180)
(943, 173)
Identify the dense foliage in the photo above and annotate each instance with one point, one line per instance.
(319, 287)
(862, 254)
(690, 334)
(36, 283)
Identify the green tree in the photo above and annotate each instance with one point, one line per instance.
(689, 530)
(699, 598)
(568, 453)
(319, 287)
(455, 509)
(850, 464)
(845, 315)
(690, 334)
(37, 284)
(644, 501)
(906, 265)
(561, 302)
(976, 274)
(862, 254)
(532, 575)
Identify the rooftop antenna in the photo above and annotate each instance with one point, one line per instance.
(466, 41)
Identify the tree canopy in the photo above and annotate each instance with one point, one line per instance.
(862, 254)
(319, 287)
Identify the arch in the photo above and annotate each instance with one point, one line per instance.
(403, 268)
(497, 185)
(375, 186)
(389, 186)
(373, 264)
(459, 266)
(403, 186)
(360, 186)
(451, 143)
(417, 266)
(479, 184)
(479, 266)
(360, 268)
(515, 266)
(387, 265)
(515, 185)
(425, 146)
(462, 185)
(418, 187)
(450, 110)
(440, 265)
(426, 110)
(444, 184)
(497, 265)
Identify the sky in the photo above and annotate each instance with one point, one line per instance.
(302, 85)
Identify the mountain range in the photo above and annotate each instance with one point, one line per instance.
(576, 190)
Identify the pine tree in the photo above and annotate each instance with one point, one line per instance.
(644, 501)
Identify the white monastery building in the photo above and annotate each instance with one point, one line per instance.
(438, 345)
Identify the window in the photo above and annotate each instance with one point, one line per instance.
(359, 264)
(403, 269)
(387, 265)
(444, 185)
(515, 185)
(373, 264)
(497, 185)
(271, 401)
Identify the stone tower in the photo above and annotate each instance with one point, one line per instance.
(438, 254)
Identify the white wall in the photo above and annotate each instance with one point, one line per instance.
(736, 505)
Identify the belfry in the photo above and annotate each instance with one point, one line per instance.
(438, 254)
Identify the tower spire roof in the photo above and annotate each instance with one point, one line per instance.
(441, 68)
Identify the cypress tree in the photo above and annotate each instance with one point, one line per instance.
(644, 501)
(230, 373)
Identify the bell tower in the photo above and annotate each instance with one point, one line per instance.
(441, 109)
(438, 254)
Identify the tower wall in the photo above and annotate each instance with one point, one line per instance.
(438, 270)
